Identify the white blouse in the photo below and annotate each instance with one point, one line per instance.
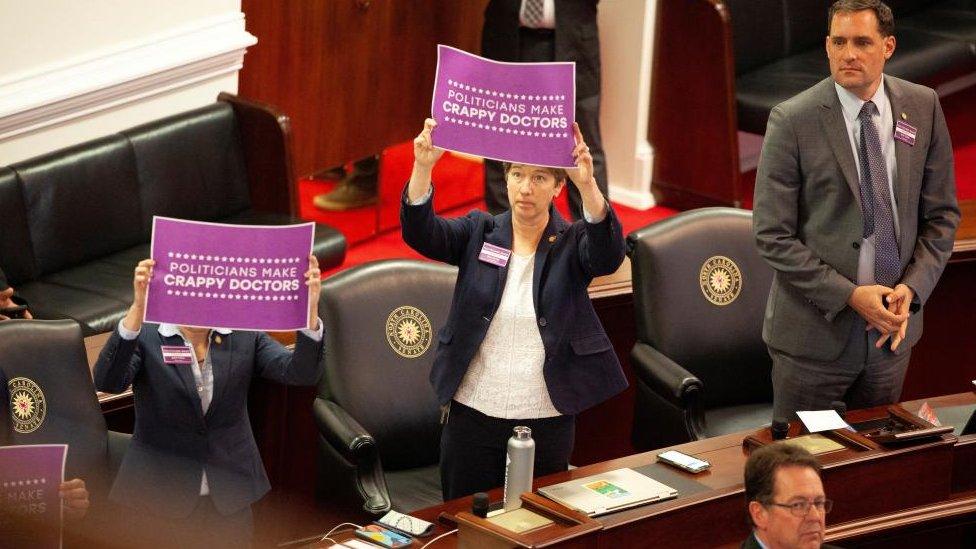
(504, 379)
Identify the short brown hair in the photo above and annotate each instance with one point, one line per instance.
(886, 20)
(559, 173)
(761, 467)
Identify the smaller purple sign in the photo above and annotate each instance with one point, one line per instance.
(30, 503)
(513, 112)
(239, 277)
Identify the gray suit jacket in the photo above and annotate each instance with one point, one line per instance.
(807, 215)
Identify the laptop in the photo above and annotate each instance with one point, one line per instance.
(608, 492)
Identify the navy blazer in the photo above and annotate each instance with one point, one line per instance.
(581, 367)
(174, 441)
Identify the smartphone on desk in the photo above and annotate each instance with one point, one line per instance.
(683, 461)
(383, 537)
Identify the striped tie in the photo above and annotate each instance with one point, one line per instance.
(532, 13)
(875, 202)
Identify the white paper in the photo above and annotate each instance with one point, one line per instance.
(822, 420)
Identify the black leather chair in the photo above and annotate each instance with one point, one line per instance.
(51, 355)
(377, 415)
(77, 220)
(779, 48)
(701, 365)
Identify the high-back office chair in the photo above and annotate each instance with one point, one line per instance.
(378, 417)
(45, 376)
(700, 293)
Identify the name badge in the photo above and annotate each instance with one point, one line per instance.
(177, 354)
(905, 133)
(494, 255)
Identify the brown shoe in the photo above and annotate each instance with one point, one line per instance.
(345, 197)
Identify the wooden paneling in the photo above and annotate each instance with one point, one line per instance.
(354, 76)
(693, 118)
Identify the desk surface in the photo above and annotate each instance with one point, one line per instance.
(716, 516)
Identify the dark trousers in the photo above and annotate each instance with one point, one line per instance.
(535, 47)
(205, 528)
(474, 446)
(863, 376)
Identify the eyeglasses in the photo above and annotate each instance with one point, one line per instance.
(802, 507)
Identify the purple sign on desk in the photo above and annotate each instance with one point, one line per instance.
(514, 112)
(30, 504)
(240, 277)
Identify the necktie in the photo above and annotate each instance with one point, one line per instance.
(875, 203)
(532, 13)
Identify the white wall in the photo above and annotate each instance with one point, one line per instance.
(72, 71)
(626, 40)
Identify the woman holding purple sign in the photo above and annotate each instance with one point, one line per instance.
(193, 470)
(522, 344)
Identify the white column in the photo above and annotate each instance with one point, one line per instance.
(626, 51)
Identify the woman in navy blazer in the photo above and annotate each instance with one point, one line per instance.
(193, 469)
(522, 344)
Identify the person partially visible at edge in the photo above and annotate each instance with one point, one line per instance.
(785, 499)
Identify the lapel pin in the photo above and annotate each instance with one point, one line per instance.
(552, 239)
(904, 116)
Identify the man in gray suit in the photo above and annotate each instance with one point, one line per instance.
(855, 209)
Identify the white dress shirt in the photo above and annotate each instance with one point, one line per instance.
(504, 379)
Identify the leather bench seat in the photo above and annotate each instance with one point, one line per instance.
(779, 49)
(76, 221)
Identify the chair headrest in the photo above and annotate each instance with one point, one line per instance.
(49, 397)
(381, 325)
(700, 290)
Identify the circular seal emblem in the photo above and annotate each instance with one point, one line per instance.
(27, 404)
(408, 331)
(720, 280)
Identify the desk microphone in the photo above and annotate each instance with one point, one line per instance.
(479, 505)
(779, 428)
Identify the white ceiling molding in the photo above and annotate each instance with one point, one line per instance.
(129, 72)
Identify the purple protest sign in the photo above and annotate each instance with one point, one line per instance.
(513, 112)
(240, 277)
(30, 504)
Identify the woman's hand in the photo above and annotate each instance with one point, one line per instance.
(313, 279)
(140, 287)
(582, 174)
(425, 155)
(74, 495)
(594, 202)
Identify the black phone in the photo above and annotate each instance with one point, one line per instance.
(14, 312)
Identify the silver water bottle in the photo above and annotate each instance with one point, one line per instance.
(519, 465)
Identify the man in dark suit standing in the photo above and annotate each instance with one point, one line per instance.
(534, 31)
(855, 210)
(787, 506)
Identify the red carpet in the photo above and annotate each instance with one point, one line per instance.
(373, 232)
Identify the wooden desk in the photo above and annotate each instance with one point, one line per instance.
(875, 487)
